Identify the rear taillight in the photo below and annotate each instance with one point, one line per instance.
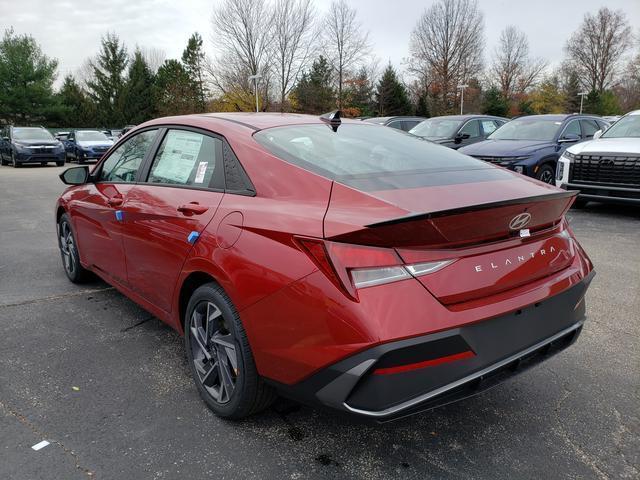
(354, 267)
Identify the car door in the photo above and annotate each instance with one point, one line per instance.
(70, 145)
(589, 128)
(165, 214)
(469, 133)
(97, 212)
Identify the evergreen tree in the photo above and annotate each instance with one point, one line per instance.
(570, 90)
(391, 95)
(422, 106)
(107, 86)
(174, 90)
(494, 103)
(548, 98)
(138, 97)
(76, 110)
(193, 62)
(26, 79)
(314, 93)
(358, 94)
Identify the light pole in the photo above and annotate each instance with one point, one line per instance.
(461, 88)
(582, 95)
(255, 79)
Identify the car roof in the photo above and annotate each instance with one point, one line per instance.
(467, 117)
(260, 120)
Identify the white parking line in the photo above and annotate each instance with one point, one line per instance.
(40, 445)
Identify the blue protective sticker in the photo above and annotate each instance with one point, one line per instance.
(119, 215)
(193, 236)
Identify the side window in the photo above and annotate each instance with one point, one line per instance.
(489, 126)
(122, 165)
(409, 124)
(572, 127)
(396, 124)
(472, 128)
(589, 127)
(188, 158)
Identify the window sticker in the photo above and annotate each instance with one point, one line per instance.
(202, 169)
(179, 156)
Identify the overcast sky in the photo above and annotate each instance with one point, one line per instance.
(70, 30)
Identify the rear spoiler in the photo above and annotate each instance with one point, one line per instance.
(472, 208)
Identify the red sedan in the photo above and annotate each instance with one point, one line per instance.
(332, 261)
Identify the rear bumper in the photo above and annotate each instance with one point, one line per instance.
(401, 378)
(605, 193)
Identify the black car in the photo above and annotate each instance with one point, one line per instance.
(455, 131)
(531, 145)
(401, 123)
(22, 145)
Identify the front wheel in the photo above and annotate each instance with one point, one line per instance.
(14, 162)
(546, 174)
(69, 252)
(220, 357)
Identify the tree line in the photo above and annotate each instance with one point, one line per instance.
(309, 63)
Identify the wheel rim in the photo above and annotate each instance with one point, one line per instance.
(213, 351)
(68, 248)
(546, 176)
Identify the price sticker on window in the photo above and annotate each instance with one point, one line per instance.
(202, 170)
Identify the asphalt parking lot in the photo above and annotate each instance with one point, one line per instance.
(108, 386)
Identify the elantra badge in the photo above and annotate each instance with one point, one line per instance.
(520, 221)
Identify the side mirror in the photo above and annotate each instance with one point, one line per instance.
(461, 136)
(569, 138)
(597, 135)
(6, 139)
(75, 175)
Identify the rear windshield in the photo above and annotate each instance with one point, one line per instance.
(361, 151)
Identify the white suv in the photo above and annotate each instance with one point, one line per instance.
(607, 168)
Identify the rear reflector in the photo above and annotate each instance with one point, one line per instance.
(427, 363)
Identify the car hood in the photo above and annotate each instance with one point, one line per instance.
(37, 143)
(607, 145)
(504, 148)
(94, 143)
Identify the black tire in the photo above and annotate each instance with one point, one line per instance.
(547, 174)
(60, 164)
(78, 159)
(14, 164)
(69, 252)
(44, 164)
(217, 348)
(3, 162)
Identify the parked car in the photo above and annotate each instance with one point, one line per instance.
(86, 145)
(113, 134)
(611, 119)
(62, 136)
(531, 145)
(399, 123)
(607, 168)
(354, 266)
(30, 145)
(455, 131)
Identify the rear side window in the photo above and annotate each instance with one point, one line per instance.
(189, 159)
(123, 164)
(488, 126)
(358, 151)
(589, 127)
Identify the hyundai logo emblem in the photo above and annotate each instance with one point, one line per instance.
(520, 221)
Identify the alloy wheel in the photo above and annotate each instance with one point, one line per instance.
(68, 248)
(213, 351)
(547, 176)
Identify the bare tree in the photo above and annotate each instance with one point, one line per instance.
(598, 46)
(242, 35)
(512, 69)
(344, 42)
(446, 48)
(293, 42)
(154, 57)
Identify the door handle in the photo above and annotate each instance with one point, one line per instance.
(115, 201)
(192, 209)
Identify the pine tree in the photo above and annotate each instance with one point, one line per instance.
(193, 62)
(494, 103)
(422, 106)
(138, 96)
(26, 79)
(570, 90)
(107, 86)
(391, 95)
(174, 90)
(76, 110)
(314, 93)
